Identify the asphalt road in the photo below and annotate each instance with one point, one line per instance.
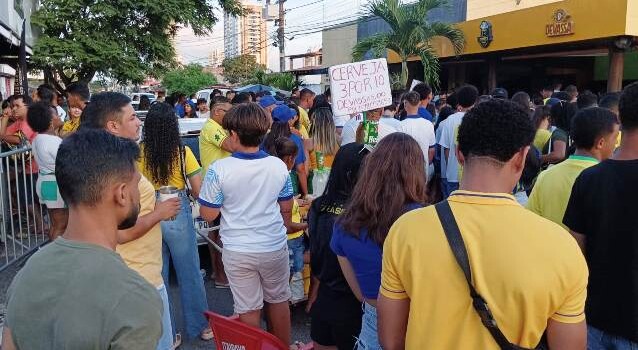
(219, 301)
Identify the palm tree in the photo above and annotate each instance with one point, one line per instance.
(410, 35)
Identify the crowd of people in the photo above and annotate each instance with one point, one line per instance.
(453, 221)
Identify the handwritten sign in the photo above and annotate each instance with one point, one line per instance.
(360, 86)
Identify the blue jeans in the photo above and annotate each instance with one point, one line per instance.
(179, 246)
(448, 187)
(295, 254)
(368, 338)
(601, 340)
(166, 341)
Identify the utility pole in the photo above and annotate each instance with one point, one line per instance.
(281, 39)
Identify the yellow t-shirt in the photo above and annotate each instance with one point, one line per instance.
(296, 218)
(542, 137)
(618, 139)
(527, 268)
(144, 254)
(304, 120)
(553, 188)
(176, 179)
(210, 143)
(304, 132)
(71, 125)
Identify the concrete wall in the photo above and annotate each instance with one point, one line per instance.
(337, 46)
(483, 8)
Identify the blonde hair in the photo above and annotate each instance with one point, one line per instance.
(323, 132)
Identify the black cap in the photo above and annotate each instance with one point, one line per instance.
(500, 93)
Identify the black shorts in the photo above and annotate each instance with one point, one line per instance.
(343, 335)
(335, 320)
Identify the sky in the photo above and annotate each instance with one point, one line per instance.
(304, 21)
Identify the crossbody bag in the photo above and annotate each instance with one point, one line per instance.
(455, 240)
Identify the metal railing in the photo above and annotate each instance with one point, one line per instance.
(23, 221)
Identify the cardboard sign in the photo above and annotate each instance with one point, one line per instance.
(360, 86)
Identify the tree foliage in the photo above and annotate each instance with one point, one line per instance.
(410, 34)
(125, 39)
(283, 81)
(241, 69)
(188, 79)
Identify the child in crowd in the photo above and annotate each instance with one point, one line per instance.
(253, 192)
(43, 119)
(287, 151)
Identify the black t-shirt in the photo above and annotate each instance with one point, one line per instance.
(335, 299)
(603, 207)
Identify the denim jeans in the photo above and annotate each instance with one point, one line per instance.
(368, 338)
(448, 187)
(295, 254)
(179, 246)
(601, 340)
(166, 341)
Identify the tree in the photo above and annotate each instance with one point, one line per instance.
(241, 69)
(410, 34)
(283, 81)
(125, 40)
(188, 79)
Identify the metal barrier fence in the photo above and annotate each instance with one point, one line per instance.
(23, 221)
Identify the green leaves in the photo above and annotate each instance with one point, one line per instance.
(241, 69)
(125, 39)
(410, 34)
(188, 79)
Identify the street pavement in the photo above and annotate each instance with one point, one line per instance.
(219, 301)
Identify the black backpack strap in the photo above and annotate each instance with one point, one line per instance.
(455, 240)
(182, 164)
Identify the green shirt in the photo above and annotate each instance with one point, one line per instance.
(73, 295)
(553, 188)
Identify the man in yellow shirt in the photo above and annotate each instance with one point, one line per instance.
(141, 245)
(594, 132)
(529, 270)
(306, 100)
(213, 139)
(214, 145)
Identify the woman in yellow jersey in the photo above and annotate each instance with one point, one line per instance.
(166, 162)
(72, 124)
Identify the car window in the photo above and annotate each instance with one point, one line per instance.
(203, 94)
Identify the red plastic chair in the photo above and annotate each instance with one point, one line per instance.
(232, 334)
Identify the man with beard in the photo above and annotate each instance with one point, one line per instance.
(77, 292)
(141, 245)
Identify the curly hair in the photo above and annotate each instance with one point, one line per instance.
(39, 116)
(628, 107)
(495, 129)
(161, 142)
(386, 185)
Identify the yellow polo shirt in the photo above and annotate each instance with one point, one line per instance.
(553, 188)
(296, 218)
(527, 268)
(210, 143)
(144, 254)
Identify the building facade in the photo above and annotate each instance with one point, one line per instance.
(526, 44)
(12, 13)
(247, 34)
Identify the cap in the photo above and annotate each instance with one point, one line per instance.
(552, 101)
(500, 93)
(268, 100)
(283, 113)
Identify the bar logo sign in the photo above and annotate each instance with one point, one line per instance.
(562, 24)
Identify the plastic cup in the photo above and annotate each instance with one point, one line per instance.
(166, 193)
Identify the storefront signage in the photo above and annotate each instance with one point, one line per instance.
(360, 86)
(486, 34)
(562, 24)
